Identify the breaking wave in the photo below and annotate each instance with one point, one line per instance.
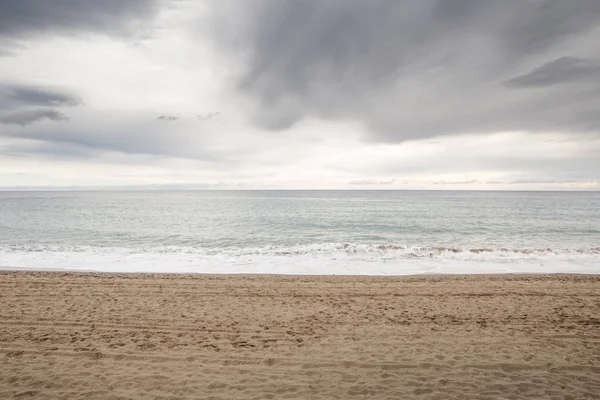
(322, 258)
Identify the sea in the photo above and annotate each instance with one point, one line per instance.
(358, 232)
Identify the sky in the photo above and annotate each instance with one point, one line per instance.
(300, 94)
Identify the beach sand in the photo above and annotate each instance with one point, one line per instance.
(107, 336)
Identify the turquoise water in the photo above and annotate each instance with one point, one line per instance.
(366, 232)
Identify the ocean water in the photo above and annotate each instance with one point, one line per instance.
(302, 232)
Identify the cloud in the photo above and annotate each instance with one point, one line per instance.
(200, 117)
(367, 182)
(28, 117)
(561, 70)
(21, 19)
(413, 70)
(128, 133)
(208, 116)
(17, 95)
(351, 93)
(16, 101)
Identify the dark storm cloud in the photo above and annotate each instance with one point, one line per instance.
(24, 18)
(410, 70)
(28, 117)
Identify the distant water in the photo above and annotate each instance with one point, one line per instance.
(302, 232)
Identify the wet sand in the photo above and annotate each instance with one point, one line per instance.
(106, 336)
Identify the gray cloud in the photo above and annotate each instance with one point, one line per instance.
(132, 135)
(16, 101)
(24, 18)
(561, 70)
(170, 118)
(28, 117)
(208, 116)
(411, 70)
(16, 95)
(401, 70)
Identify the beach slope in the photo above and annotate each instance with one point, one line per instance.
(108, 336)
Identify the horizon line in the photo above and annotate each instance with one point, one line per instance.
(125, 189)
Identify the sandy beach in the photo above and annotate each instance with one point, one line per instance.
(108, 336)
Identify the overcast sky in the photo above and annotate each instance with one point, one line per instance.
(326, 94)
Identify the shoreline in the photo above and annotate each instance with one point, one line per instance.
(4, 270)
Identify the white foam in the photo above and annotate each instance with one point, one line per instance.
(319, 259)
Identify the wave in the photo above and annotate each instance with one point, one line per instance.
(313, 259)
(419, 251)
(311, 249)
